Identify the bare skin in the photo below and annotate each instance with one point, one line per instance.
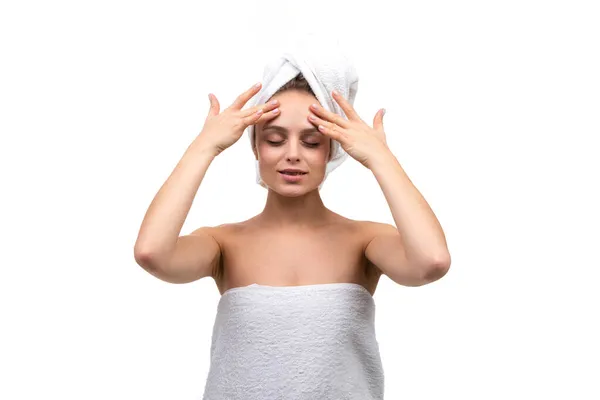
(252, 251)
(295, 241)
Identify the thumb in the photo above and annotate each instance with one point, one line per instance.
(378, 120)
(214, 105)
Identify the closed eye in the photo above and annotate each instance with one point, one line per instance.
(312, 145)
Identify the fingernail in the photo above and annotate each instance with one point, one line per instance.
(383, 112)
(335, 92)
(257, 85)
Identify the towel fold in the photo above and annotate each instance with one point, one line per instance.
(325, 67)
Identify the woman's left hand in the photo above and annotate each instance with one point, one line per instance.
(358, 139)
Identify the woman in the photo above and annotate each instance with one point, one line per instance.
(297, 280)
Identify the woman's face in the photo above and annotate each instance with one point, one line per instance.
(290, 140)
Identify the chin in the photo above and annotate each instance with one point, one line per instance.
(291, 189)
(291, 193)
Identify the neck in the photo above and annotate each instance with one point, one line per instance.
(307, 210)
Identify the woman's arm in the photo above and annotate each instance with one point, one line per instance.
(419, 244)
(418, 252)
(164, 219)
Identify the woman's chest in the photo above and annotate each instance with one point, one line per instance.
(293, 258)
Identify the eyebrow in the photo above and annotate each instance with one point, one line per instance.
(283, 129)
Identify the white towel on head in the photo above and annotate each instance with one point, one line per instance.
(325, 67)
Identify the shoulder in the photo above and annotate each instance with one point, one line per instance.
(371, 229)
(364, 228)
(221, 232)
(366, 231)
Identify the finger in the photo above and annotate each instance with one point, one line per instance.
(314, 119)
(332, 130)
(243, 98)
(329, 116)
(378, 120)
(214, 105)
(327, 128)
(346, 106)
(266, 116)
(261, 116)
(265, 107)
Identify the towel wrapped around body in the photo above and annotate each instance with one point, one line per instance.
(295, 343)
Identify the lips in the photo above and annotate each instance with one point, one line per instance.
(292, 172)
(292, 176)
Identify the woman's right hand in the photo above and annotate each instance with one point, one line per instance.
(222, 130)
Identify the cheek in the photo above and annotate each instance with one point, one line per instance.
(318, 158)
(267, 153)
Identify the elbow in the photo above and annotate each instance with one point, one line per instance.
(443, 262)
(153, 266)
(437, 269)
(147, 262)
(142, 256)
(151, 261)
(140, 252)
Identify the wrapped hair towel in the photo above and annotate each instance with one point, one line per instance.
(325, 67)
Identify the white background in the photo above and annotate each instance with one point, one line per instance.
(492, 110)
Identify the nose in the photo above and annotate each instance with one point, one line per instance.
(293, 150)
